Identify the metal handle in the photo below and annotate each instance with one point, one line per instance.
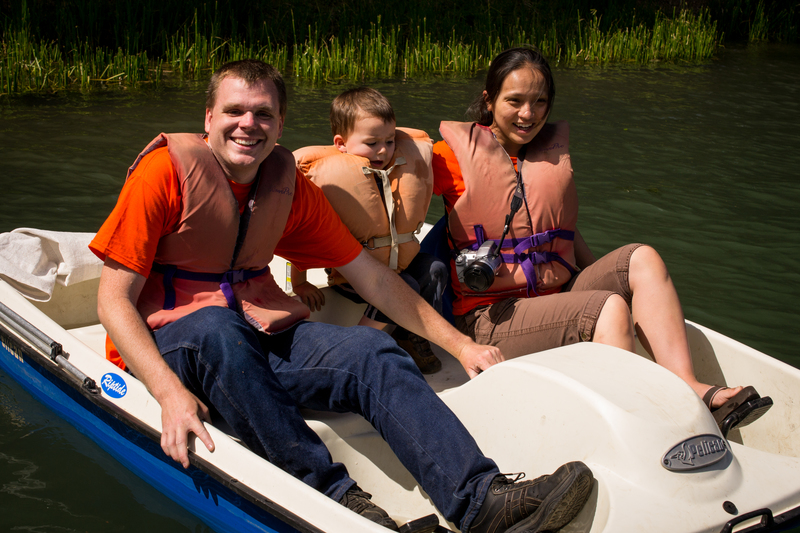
(46, 345)
(39, 340)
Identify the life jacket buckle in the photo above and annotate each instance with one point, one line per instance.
(234, 276)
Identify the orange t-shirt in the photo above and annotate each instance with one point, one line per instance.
(448, 182)
(150, 207)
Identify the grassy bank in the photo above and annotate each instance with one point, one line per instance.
(93, 43)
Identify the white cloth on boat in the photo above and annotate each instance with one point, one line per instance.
(33, 260)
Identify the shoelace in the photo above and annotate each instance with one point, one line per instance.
(508, 481)
(517, 477)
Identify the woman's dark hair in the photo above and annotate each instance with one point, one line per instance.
(504, 64)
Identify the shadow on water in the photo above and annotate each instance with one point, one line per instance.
(701, 162)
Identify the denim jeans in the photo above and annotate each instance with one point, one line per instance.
(258, 382)
(426, 275)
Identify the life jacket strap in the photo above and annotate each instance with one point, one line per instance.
(537, 258)
(225, 280)
(527, 260)
(379, 242)
(388, 200)
(545, 237)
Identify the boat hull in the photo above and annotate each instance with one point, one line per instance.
(213, 499)
(618, 412)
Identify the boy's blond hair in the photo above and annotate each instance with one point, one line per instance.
(360, 101)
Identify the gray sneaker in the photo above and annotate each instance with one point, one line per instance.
(359, 502)
(546, 503)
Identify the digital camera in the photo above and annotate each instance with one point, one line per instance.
(476, 268)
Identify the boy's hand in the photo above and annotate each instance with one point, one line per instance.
(310, 295)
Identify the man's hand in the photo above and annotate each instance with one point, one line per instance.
(475, 358)
(310, 295)
(182, 413)
(384, 289)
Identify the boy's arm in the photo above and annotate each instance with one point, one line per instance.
(308, 292)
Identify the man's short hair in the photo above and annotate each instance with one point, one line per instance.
(251, 71)
(360, 101)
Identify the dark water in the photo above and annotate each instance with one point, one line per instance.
(701, 162)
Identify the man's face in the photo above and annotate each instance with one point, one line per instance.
(243, 126)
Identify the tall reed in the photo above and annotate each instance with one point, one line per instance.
(211, 36)
(684, 36)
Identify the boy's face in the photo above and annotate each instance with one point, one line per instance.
(371, 138)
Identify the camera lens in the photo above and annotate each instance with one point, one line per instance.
(479, 276)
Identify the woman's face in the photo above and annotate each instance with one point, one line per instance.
(520, 108)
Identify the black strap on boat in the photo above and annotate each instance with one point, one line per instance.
(767, 521)
(45, 345)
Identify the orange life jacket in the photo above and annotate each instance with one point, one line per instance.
(208, 260)
(538, 251)
(384, 220)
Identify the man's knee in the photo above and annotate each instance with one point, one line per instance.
(379, 348)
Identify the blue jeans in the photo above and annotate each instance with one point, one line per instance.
(257, 383)
(426, 275)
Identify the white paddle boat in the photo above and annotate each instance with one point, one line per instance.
(660, 462)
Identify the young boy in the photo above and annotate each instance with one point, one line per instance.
(381, 189)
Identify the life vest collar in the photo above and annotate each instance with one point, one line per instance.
(384, 212)
(538, 253)
(393, 240)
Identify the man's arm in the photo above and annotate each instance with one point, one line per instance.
(384, 289)
(181, 412)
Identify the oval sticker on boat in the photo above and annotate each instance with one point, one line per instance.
(694, 453)
(114, 385)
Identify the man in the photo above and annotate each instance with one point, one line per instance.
(188, 301)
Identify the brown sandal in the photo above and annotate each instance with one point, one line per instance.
(743, 409)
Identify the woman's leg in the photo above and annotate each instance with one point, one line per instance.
(658, 319)
(638, 274)
(520, 326)
(614, 326)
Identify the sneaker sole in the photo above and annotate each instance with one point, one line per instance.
(562, 504)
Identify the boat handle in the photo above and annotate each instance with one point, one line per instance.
(47, 346)
(767, 521)
(39, 340)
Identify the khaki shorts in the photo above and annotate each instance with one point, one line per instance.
(520, 326)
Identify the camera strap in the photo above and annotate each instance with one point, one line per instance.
(516, 199)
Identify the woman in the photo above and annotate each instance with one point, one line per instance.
(548, 289)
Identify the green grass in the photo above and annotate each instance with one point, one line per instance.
(95, 44)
